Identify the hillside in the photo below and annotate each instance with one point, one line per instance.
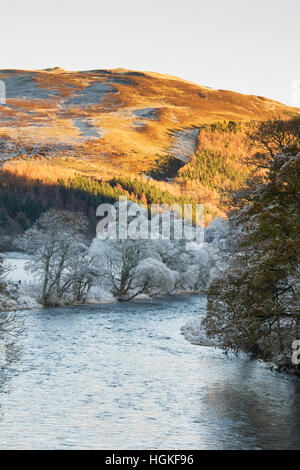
(110, 123)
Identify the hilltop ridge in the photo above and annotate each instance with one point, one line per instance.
(122, 111)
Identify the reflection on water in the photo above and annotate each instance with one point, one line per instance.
(121, 376)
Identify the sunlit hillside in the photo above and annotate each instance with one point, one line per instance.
(171, 134)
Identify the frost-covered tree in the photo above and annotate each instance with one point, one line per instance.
(118, 260)
(153, 277)
(128, 269)
(5, 291)
(11, 325)
(254, 303)
(59, 256)
(79, 275)
(121, 258)
(193, 266)
(152, 263)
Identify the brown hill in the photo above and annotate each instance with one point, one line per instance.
(107, 123)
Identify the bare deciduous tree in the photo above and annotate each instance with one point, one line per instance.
(60, 257)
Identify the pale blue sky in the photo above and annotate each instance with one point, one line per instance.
(250, 46)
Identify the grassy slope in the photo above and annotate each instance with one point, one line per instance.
(44, 128)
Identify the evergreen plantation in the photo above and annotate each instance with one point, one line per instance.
(23, 200)
(218, 165)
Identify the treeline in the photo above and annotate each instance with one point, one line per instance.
(214, 170)
(22, 199)
(23, 212)
(218, 161)
(228, 126)
(148, 193)
(226, 151)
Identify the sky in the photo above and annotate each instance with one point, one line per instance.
(250, 46)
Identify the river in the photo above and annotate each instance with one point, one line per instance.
(121, 376)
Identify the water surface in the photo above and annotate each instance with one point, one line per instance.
(121, 376)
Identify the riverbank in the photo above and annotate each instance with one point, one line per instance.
(28, 287)
(194, 332)
(27, 299)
